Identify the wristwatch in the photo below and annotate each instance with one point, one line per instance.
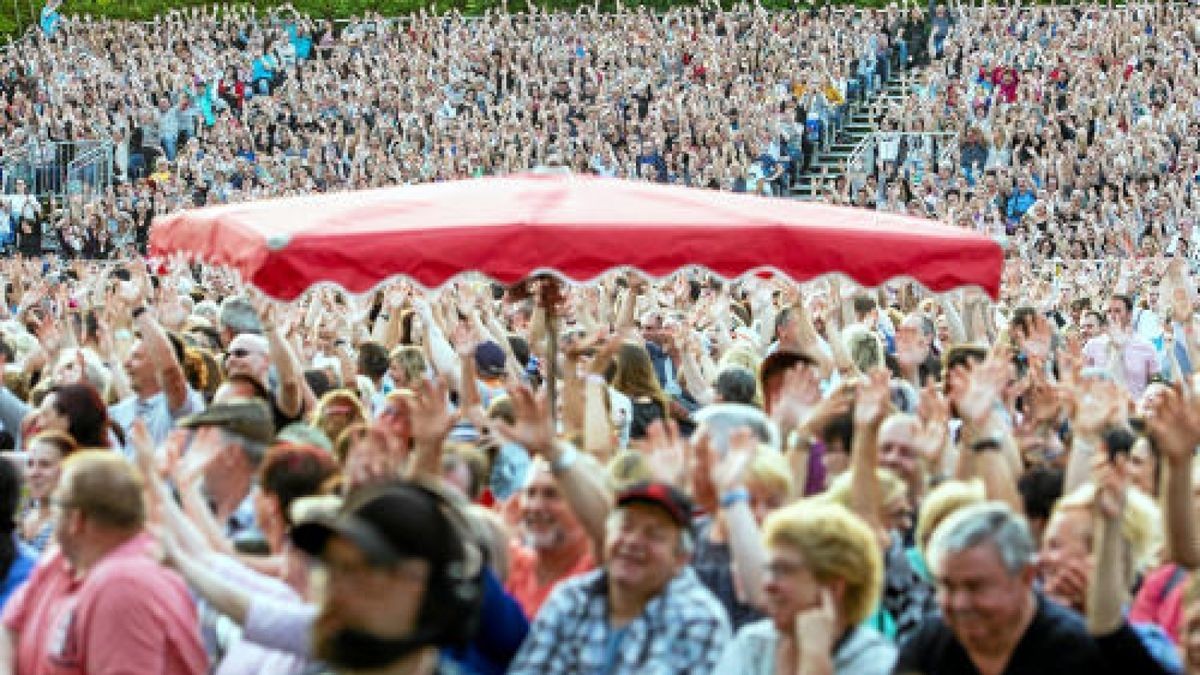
(986, 444)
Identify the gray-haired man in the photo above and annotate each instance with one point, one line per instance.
(992, 621)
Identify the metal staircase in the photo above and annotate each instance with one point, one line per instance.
(832, 160)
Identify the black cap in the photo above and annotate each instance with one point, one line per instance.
(663, 495)
(389, 523)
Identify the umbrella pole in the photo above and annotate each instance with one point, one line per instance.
(552, 359)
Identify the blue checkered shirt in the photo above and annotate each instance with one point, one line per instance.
(682, 630)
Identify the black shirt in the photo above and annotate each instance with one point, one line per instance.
(1056, 643)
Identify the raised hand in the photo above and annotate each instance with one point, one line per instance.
(1097, 403)
(798, 396)
(1035, 337)
(729, 472)
(534, 425)
(667, 452)
(873, 401)
(430, 416)
(976, 392)
(930, 437)
(1173, 424)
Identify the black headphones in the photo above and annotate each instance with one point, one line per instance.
(450, 612)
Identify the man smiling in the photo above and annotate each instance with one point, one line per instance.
(646, 611)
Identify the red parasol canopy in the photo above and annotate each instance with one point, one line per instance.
(578, 227)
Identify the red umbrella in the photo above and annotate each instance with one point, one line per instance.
(578, 227)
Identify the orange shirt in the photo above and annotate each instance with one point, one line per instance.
(523, 582)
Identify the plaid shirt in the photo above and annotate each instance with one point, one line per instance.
(682, 630)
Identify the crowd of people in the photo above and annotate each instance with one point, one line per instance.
(747, 476)
(731, 476)
(1070, 132)
(1018, 121)
(209, 106)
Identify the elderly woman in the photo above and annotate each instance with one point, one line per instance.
(823, 579)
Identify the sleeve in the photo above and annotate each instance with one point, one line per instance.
(1125, 652)
(506, 622)
(12, 411)
(539, 652)
(16, 610)
(1145, 603)
(249, 580)
(282, 626)
(911, 656)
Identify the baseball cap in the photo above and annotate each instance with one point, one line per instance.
(489, 359)
(247, 417)
(388, 523)
(665, 496)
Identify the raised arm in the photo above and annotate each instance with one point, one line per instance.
(1174, 429)
(871, 406)
(584, 491)
(162, 355)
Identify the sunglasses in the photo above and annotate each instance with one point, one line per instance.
(239, 353)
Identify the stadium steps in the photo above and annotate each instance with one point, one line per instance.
(830, 162)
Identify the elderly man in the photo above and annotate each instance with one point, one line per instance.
(992, 621)
(555, 545)
(101, 603)
(646, 611)
(230, 441)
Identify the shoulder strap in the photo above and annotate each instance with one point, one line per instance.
(1177, 576)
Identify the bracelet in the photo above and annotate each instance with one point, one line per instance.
(138, 312)
(986, 445)
(735, 496)
(565, 460)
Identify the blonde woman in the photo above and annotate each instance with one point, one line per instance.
(823, 579)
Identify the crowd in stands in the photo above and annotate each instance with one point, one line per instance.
(738, 476)
(212, 106)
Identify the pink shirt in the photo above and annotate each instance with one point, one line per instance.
(1159, 604)
(128, 615)
(1141, 361)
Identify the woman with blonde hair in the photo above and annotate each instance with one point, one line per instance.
(824, 577)
(336, 411)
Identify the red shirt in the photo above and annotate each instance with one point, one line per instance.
(128, 615)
